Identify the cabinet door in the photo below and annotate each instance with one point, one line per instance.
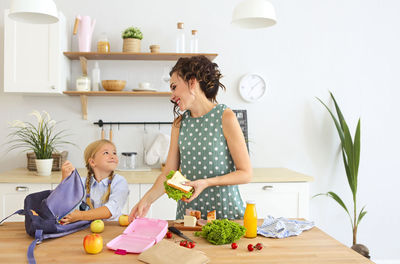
(278, 199)
(33, 60)
(12, 196)
(134, 197)
(164, 208)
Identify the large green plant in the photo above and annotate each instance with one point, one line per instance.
(351, 160)
(42, 139)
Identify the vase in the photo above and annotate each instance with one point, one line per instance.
(131, 45)
(43, 166)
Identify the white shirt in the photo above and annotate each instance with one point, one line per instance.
(118, 195)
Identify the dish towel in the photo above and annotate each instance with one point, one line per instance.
(166, 252)
(158, 150)
(283, 227)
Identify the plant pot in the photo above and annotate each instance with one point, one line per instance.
(131, 45)
(43, 166)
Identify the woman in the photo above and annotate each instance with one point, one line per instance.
(207, 144)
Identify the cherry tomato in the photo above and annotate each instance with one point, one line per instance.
(169, 234)
(234, 246)
(259, 246)
(192, 244)
(183, 243)
(250, 247)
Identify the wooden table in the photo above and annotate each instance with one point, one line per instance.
(313, 246)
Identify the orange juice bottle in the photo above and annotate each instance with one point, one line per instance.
(250, 219)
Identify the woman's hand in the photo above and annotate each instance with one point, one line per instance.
(199, 186)
(66, 169)
(139, 210)
(72, 217)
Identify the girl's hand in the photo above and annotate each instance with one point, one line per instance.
(66, 169)
(72, 217)
(139, 210)
(199, 186)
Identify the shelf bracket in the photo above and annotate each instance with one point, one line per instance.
(84, 106)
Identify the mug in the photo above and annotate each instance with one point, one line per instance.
(144, 85)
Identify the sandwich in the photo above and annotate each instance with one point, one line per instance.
(174, 186)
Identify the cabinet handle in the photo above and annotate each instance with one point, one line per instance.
(21, 189)
(267, 187)
(53, 87)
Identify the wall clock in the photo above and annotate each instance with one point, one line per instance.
(252, 87)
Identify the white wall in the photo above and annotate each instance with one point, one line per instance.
(348, 47)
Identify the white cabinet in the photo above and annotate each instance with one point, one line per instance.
(289, 199)
(133, 198)
(164, 208)
(12, 196)
(33, 57)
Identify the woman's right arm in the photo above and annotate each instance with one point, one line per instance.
(157, 190)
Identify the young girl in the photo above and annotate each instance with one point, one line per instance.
(106, 192)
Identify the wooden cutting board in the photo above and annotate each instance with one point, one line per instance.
(180, 226)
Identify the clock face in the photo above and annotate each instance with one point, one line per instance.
(252, 87)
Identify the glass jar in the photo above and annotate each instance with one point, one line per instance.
(128, 160)
(103, 45)
(83, 84)
(250, 219)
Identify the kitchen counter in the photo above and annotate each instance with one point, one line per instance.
(22, 175)
(313, 246)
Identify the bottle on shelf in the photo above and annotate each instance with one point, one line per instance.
(194, 42)
(180, 39)
(250, 219)
(96, 77)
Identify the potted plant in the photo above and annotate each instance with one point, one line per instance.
(42, 139)
(132, 37)
(351, 159)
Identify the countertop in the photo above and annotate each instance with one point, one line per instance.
(22, 175)
(313, 246)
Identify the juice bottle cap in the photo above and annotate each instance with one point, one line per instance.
(251, 202)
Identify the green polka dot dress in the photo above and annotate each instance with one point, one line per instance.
(204, 154)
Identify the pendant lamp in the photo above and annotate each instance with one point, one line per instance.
(34, 11)
(254, 14)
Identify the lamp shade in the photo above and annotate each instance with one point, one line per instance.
(34, 11)
(254, 14)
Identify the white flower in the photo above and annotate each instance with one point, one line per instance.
(38, 115)
(17, 123)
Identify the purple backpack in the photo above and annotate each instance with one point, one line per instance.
(43, 211)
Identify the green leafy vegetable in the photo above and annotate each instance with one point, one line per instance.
(220, 232)
(175, 193)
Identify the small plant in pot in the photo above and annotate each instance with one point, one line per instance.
(351, 159)
(42, 139)
(132, 37)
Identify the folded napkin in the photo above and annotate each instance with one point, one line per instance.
(166, 252)
(283, 227)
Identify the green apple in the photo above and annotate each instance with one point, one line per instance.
(97, 226)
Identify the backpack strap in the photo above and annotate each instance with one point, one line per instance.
(38, 239)
(20, 212)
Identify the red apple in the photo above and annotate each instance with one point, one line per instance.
(93, 243)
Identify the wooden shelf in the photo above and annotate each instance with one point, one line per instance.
(84, 96)
(144, 56)
(119, 93)
(134, 56)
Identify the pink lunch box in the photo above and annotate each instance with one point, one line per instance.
(140, 235)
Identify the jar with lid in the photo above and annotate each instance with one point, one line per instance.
(103, 45)
(128, 160)
(180, 38)
(250, 219)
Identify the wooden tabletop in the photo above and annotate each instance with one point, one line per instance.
(313, 246)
